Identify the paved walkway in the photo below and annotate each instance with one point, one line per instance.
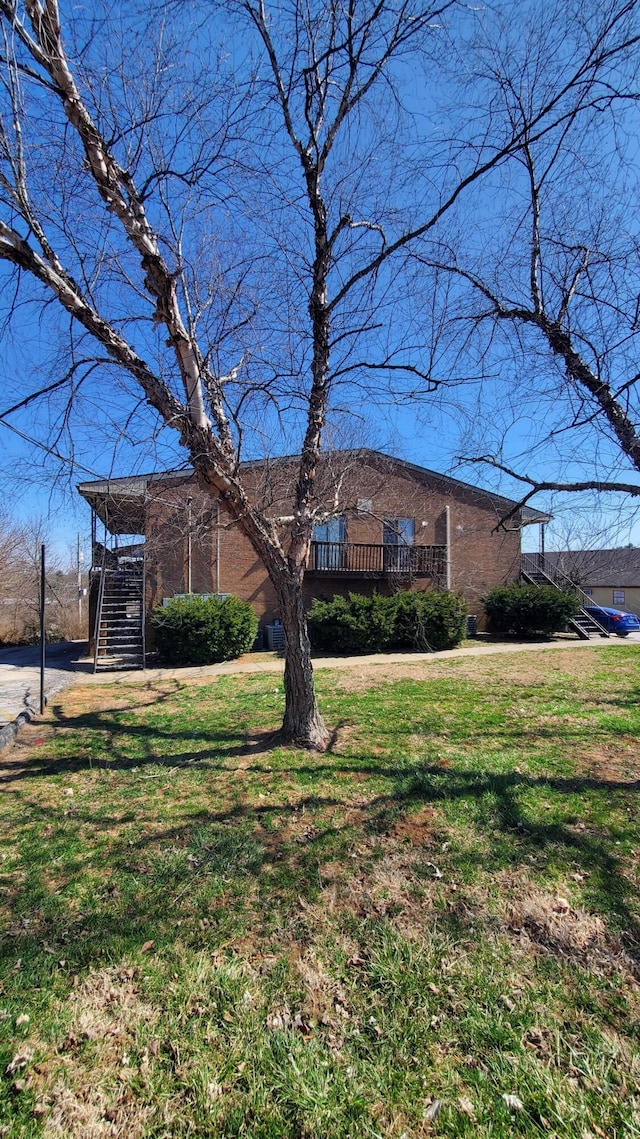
(269, 662)
(20, 676)
(67, 664)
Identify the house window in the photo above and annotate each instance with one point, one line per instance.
(397, 537)
(329, 547)
(588, 592)
(618, 597)
(398, 532)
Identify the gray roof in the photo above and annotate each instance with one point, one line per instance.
(592, 568)
(120, 501)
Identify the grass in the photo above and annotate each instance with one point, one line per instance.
(208, 936)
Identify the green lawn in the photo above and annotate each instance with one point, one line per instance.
(204, 935)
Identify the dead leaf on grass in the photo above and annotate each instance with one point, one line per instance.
(436, 872)
(513, 1102)
(432, 1110)
(284, 1019)
(19, 1061)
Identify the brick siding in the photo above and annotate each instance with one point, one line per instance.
(479, 558)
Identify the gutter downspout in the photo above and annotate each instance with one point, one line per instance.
(447, 538)
(189, 590)
(218, 546)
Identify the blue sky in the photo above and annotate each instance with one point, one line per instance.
(255, 230)
(38, 485)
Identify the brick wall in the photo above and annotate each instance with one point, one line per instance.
(222, 558)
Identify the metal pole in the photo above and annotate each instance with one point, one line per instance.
(43, 633)
(79, 586)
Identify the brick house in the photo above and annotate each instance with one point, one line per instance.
(384, 524)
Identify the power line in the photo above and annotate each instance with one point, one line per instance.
(51, 451)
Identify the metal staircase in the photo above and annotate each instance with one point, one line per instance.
(119, 628)
(536, 570)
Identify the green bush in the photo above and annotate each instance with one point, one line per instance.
(353, 624)
(529, 610)
(358, 624)
(427, 620)
(203, 630)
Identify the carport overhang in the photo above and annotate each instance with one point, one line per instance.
(121, 503)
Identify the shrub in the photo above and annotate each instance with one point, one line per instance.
(353, 624)
(203, 630)
(427, 620)
(528, 610)
(357, 624)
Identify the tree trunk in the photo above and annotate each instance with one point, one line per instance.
(303, 723)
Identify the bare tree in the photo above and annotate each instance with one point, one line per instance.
(235, 242)
(20, 544)
(549, 290)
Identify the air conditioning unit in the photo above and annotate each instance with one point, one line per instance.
(204, 597)
(275, 637)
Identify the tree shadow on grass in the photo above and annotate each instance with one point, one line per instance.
(168, 878)
(588, 849)
(167, 872)
(629, 699)
(111, 744)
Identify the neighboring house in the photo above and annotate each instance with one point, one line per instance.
(383, 525)
(610, 577)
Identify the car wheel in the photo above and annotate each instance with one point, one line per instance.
(622, 634)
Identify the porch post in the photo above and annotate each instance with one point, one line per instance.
(447, 538)
(189, 547)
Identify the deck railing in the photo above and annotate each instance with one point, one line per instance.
(363, 558)
(109, 557)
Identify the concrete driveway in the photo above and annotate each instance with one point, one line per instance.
(20, 676)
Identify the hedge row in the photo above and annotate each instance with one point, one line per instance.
(529, 610)
(356, 624)
(203, 630)
(198, 630)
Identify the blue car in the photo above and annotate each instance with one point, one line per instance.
(614, 620)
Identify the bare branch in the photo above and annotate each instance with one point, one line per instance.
(539, 486)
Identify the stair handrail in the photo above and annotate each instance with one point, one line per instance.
(552, 574)
(96, 629)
